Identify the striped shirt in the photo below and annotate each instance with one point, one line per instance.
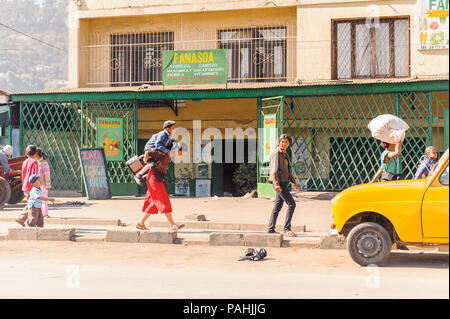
(44, 173)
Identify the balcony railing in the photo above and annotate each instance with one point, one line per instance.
(254, 54)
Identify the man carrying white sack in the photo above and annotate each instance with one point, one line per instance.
(390, 130)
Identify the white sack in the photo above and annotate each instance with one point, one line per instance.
(388, 128)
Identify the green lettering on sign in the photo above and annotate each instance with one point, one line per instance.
(194, 67)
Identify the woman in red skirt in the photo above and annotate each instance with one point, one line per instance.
(157, 199)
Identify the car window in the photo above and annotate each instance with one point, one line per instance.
(443, 179)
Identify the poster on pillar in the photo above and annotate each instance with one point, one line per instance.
(110, 137)
(194, 67)
(433, 28)
(270, 135)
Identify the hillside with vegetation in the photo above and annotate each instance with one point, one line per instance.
(33, 44)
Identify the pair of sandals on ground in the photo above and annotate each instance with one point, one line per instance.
(174, 227)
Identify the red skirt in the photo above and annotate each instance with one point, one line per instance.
(156, 199)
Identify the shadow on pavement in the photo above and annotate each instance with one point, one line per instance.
(309, 196)
(81, 231)
(415, 260)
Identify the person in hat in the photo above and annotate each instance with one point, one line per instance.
(34, 205)
(160, 141)
(6, 152)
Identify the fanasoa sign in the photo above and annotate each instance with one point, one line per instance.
(194, 67)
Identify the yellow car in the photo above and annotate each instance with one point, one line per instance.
(411, 212)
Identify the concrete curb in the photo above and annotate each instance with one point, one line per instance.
(71, 221)
(37, 233)
(332, 242)
(240, 239)
(163, 237)
(226, 239)
(122, 236)
(301, 245)
(227, 226)
(158, 224)
(137, 236)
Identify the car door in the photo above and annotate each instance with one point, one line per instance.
(435, 208)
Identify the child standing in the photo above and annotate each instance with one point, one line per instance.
(44, 177)
(158, 142)
(427, 162)
(34, 205)
(29, 167)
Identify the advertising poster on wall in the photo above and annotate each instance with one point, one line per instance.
(110, 137)
(203, 188)
(300, 155)
(433, 28)
(203, 171)
(270, 135)
(182, 187)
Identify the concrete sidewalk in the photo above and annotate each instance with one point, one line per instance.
(313, 210)
(92, 219)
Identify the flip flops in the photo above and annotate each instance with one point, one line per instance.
(176, 227)
(289, 233)
(141, 226)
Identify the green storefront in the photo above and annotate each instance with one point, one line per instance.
(331, 146)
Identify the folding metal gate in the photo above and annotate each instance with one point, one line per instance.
(332, 148)
(61, 127)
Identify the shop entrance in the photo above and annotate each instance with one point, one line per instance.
(230, 163)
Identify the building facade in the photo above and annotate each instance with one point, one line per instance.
(320, 69)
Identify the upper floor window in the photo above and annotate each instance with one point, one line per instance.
(371, 48)
(255, 54)
(136, 59)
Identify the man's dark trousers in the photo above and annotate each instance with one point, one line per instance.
(283, 196)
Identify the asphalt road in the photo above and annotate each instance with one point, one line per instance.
(116, 270)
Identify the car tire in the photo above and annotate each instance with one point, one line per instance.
(369, 244)
(5, 191)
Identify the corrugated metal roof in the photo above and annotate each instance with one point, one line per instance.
(239, 86)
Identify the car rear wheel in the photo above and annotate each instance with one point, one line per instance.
(369, 243)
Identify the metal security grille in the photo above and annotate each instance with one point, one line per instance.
(55, 127)
(255, 54)
(332, 148)
(137, 58)
(371, 48)
(61, 128)
(118, 171)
